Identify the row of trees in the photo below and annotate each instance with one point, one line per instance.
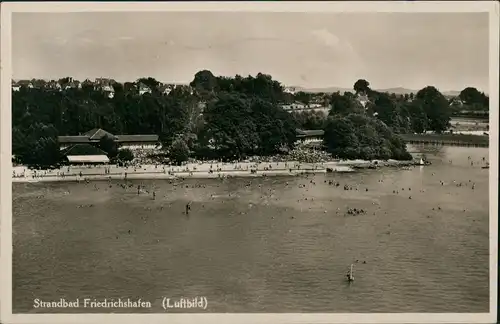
(357, 136)
(222, 117)
(238, 118)
(427, 110)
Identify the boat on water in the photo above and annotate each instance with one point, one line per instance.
(350, 274)
(487, 166)
(423, 162)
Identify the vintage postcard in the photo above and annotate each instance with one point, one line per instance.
(249, 162)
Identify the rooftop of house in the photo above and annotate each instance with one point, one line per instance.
(73, 139)
(137, 138)
(98, 133)
(88, 158)
(309, 132)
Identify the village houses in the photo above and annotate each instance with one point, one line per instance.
(104, 85)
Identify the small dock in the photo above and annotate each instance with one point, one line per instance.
(447, 139)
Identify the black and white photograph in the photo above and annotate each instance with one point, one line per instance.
(250, 158)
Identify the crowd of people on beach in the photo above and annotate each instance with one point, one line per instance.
(145, 163)
(298, 161)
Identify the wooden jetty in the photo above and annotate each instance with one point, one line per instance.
(447, 139)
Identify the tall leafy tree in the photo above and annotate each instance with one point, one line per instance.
(204, 81)
(343, 105)
(361, 86)
(471, 96)
(108, 145)
(474, 99)
(179, 151)
(360, 136)
(435, 107)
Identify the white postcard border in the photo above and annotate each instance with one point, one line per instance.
(279, 6)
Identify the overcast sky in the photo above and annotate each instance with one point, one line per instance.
(411, 50)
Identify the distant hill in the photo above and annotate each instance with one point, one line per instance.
(398, 90)
(451, 93)
(325, 90)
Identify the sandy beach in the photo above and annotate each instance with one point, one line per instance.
(194, 170)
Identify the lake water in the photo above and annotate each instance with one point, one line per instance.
(263, 244)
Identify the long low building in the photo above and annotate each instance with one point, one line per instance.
(87, 159)
(312, 135)
(95, 135)
(84, 154)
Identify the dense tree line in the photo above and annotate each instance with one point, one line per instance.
(357, 136)
(470, 102)
(427, 110)
(310, 119)
(223, 117)
(226, 118)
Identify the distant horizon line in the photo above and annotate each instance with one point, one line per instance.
(299, 87)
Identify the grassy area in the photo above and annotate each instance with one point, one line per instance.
(484, 116)
(456, 139)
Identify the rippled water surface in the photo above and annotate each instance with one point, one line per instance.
(263, 244)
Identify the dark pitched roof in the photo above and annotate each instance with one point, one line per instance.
(137, 138)
(73, 139)
(98, 133)
(83, 149)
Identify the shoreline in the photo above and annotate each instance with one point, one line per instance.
(200, 171)
(456, 139)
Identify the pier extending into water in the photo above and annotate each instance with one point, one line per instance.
(447, 139)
